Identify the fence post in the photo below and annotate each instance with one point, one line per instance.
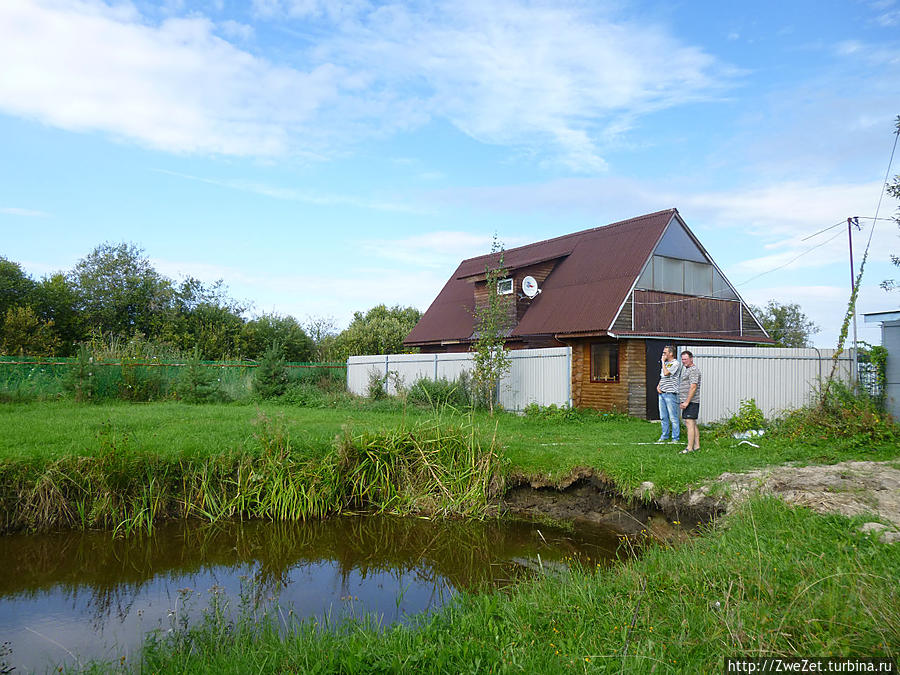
(435, 366)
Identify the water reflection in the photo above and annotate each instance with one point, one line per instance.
(66, 597)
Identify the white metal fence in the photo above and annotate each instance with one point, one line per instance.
(541, 376)
(778, 379)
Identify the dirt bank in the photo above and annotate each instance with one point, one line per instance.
(848, 488)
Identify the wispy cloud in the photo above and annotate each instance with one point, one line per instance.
(550, 78)
(27, 213)
(438, 250)
(555, 81)
(305, 196)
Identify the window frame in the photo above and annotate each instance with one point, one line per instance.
(512, 286)
(591, 357)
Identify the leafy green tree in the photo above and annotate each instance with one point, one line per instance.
(493, 320)
(15, 285)
(378, 331)
(22, 332)
(271, 378)
(54, 299)
(323, 332)
(258, 334)
(119, 291)
(786, 324)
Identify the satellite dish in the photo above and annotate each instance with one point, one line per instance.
(530, 287)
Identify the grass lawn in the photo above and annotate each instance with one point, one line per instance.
(622, 448)
(768, 579)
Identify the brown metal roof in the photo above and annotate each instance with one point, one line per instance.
(687, 337)
(583, 292)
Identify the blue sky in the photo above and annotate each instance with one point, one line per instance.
(323, 157)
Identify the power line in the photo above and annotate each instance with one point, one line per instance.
(809, 250)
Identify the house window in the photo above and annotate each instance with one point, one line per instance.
(504, 287)
(605, 362)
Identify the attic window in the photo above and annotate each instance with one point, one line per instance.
(504, 287)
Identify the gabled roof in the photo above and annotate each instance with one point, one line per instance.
(584, 293)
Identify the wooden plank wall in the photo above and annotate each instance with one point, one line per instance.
(518, 306)
(628, 395)
(676, 313)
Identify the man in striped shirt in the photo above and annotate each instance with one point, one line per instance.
(689, 395)
(668, 396)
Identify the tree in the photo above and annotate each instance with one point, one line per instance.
(378, 331)
(292, 340)
(15, 285)
(119, 290)
(786, 324)
(492, 322)
(323, 332)
(271, 378)
(55, 300)
(22, 332)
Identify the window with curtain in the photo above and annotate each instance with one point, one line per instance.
(605, 362)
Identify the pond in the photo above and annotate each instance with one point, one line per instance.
(69, 597)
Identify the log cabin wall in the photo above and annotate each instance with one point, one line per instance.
(628, 395)
(660, 312)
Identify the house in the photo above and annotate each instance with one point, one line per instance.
(615, 294)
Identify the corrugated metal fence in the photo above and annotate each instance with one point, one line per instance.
(541, 376)
(778, 379)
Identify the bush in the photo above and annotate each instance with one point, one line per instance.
(197, 383)
(305, 394)
(554, 413)
(140, 382)
(375, 390)
(271, 378)
(80, 379)
(853, 419)
(748, 418)
(440, 392)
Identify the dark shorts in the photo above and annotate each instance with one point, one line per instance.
(692, 411)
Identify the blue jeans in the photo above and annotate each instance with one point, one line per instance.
(668, 415)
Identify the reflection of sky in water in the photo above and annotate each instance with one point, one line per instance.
(49, 622)
(42, 628)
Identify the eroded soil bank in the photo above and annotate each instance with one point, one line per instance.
(847, 488)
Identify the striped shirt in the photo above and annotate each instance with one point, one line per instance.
(669, 385)
(689, 375)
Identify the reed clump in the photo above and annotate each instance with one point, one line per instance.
(428, 467)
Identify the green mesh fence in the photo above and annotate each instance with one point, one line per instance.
(27, 378)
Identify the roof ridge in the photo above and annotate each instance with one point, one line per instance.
(617, 223)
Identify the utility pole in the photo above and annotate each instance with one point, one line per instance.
(854, 363)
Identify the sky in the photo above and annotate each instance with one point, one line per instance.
(324, 157)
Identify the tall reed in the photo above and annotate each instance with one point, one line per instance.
(430, 467)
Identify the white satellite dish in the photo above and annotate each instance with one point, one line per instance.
(530, 287)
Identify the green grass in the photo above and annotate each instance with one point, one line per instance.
(620, 447)
(770, 580)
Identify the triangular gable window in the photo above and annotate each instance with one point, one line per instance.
(678, 265)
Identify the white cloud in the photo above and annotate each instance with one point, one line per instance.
(27, 213)
(236, 30)
(555, 81)
(175, 86)
(536, 76)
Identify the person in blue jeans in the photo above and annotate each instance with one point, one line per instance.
(668, 396)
